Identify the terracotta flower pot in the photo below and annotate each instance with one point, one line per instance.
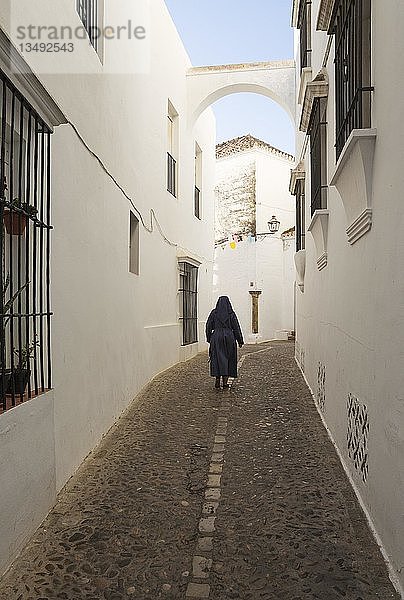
(14, 222)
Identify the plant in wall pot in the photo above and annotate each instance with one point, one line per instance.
(22, 372)
(5, 374)
(16, 215)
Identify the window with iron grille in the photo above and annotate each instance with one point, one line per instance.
(189, 303)
(304, 24)
(198, 183)
(88, 11)
(318, 154)
(300, 215)
(197, 200)
(172, 149)
(171, 175)
(25, 231)
(350, 23)
(134, 244)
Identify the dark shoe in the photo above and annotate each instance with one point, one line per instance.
(226, 386)
(217, 384)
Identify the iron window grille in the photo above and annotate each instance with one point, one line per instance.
(25, 237)
(189, 303)
(318, 154)
(350, 23)
(171, 175)
(88, 13)
(304, 24)
(197, 200)
(300, 215)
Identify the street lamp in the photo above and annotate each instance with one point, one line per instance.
(273, 225)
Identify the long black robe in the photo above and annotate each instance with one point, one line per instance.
(222, 332)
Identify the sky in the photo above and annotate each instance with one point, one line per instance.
(218, 32)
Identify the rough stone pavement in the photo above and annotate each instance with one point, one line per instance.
(287, 525)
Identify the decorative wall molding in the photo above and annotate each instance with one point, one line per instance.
(191, 260)
(357, 435)
(295, 12)
(305, 78)
(318, 88)
(353, 178)
(296, 174)
(360, 226)
(321, 379)
(300, 262)
(319, 230)
(322, 261)
(324, 14)
(21, 75)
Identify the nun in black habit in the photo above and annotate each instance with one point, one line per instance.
(222, 332)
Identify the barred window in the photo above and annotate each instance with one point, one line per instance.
(198, 183)
(189, 303)
(172, 149)
(134, 244)
(300, 215)
(350, 22)
(318, 154)
(197, 203)
(25, 231)
(304, 24)
(88, 11)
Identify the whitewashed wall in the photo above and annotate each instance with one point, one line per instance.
(259, 179)
(112, 331)
(350, 318)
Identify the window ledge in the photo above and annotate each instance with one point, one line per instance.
(187, 258)
(318, 88)
(319, 230)
(324, 14)
(295, 12)
(300, 263)
(353, 178)
(21, 75)
(296, 174)
(305, 77)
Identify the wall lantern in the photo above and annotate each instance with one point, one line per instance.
(273, 225)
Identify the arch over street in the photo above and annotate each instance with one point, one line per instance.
(275, 79)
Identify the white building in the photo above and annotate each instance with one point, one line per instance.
(252, 266)
(125, 255)
(348, 184)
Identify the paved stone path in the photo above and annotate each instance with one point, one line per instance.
(202, 493)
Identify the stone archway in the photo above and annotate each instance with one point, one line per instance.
(276, 80)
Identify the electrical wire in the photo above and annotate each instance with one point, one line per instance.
(153, 216)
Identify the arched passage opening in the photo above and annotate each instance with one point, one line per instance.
(255, 114)
(275, 80)
(242, 88)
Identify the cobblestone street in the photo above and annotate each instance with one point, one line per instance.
(205, 493)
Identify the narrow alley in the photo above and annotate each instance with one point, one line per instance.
(204, 493)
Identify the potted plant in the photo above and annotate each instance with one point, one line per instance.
(5, 374)
(16, 216)
(22, 372)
